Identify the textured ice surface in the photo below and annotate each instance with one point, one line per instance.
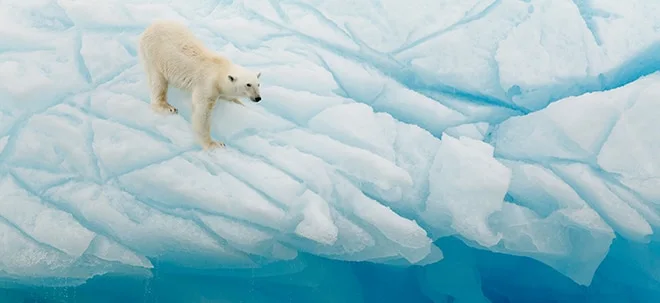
(509, 148)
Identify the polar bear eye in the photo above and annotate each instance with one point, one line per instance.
(249, 85)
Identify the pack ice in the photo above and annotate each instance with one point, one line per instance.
(488, 143)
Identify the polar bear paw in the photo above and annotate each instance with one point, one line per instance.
(213, 145)
(164, 108)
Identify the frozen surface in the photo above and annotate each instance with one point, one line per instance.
(490, 142)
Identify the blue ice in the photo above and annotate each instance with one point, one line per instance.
(405, 151)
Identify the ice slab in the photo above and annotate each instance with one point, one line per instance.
(388, 129)
(586, 141)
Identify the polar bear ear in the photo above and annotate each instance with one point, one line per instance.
(258, 75)
(232, 78)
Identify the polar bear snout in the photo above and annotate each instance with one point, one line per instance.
(256, 99)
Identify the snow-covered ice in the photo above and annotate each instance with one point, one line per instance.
(404, 151)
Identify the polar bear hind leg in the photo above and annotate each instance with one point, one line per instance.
(157, 84)
(159, 103)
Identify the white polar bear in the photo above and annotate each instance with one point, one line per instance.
(172, 55)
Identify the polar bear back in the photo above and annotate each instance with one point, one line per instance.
(172, 50)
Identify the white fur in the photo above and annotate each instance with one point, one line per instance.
(171, 55)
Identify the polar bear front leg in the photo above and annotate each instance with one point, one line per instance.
(235, 100)
(159, 95)
(202, 108)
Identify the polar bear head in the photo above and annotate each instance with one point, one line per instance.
(245, 84)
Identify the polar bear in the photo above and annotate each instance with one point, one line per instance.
(171, 55)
